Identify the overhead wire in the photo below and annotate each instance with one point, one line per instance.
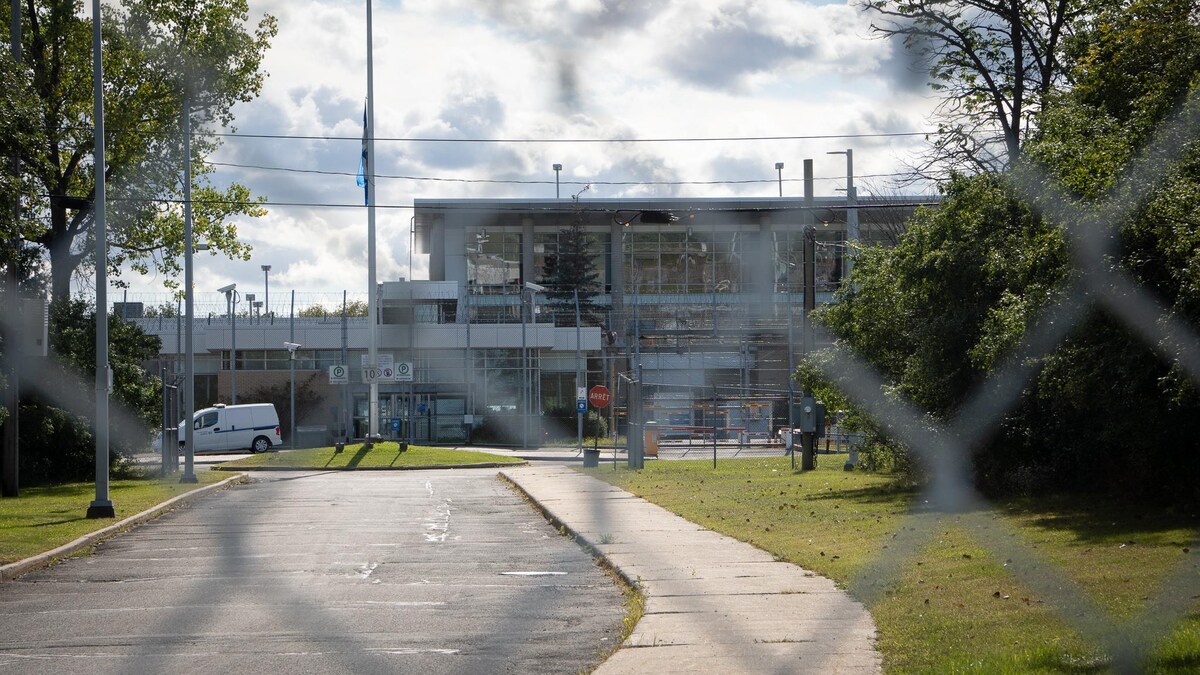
(515, 181)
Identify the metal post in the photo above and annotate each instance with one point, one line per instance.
(166, 421)
(578, 382)
(779, 168)
(347, 417)
(524, 377)
(101, 506)
(190, 310)
(292, 381)
(189, 357)
(369, 176)
(808, 461)
(10, 463)
(557, 169)
(233, 348)
(714, 426)
(267, 291)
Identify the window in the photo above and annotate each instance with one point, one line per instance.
(493, 258)
(206, 420)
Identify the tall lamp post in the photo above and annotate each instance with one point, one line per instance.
(557, 168)
(526, 395)
(267, 290)
(779, 168)
(101, 506)
(851, 211)
(231, 300)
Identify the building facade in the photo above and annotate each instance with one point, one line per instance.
(698, 321)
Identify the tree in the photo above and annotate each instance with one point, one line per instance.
(157, 55)
(353, 308)
(992, 61)
(950, 304)
(57, 444)
(570, 269)
(937, 311)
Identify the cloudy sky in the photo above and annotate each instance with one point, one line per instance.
(546, 69)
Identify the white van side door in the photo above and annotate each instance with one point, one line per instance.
(204, 431)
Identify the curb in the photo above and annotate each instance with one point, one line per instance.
(13, 570)
(578, 538)
(489, 465)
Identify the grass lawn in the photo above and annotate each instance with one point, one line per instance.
(386, 454)
(44, 518)
(951, 602)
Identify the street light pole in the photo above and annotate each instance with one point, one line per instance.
(578, 382)
(101, 506)
(267, 290)
(189, 360)
(369, 177)
(779, 168)
(231, 299)
(292, 388)
(557, 169)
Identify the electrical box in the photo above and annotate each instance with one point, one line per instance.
(805, 414)
(809, 415)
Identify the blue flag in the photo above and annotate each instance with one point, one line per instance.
(362, 162)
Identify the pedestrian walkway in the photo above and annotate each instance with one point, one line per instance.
(713, 604)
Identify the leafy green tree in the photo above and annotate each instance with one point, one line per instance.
(935, 312)
(157, 54)
(57, 444)
(353, 308)
(943, 310)
(993, 62)
(571, 269)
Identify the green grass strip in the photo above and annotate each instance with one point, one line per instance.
(356, 455)
(44, 518)
(955, 605)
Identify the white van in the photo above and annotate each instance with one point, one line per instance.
(222, 428)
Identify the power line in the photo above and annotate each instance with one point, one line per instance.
(494, 207)
(514, 181)
(680, 139)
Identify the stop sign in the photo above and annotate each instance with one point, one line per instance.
(599, 396)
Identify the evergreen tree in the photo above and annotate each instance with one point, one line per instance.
(572, 268)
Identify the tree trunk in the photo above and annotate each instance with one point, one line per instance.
(62, 261)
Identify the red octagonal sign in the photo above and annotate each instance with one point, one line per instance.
(599, 396)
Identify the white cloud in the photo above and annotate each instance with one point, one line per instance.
(545, 69)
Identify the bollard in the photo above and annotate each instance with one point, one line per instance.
(338, 447)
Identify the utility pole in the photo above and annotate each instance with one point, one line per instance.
(809, 438)
(101, 506)
(10, 463)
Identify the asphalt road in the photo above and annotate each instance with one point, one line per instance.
(373, 572)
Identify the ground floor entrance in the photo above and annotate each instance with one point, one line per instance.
(419, 418)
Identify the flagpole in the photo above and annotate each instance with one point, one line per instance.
(373, 346)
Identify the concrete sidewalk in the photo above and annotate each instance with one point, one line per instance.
(713, 604)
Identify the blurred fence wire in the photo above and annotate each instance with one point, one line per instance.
(950, 498)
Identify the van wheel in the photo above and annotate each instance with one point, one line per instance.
(260, 444)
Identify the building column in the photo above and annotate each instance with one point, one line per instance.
(616, 266)
(528, 273)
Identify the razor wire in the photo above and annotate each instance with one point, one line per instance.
(949, 497)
